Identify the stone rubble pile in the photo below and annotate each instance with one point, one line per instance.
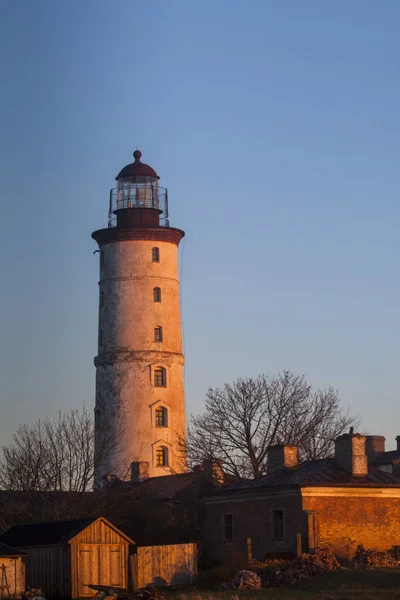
(372, 559)
(246, 580)
(106, 592)
(150, 594)
(307, 565)
(33, 594)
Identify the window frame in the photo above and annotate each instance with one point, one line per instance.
(155, 254)
(165, 456)
(158, 333)
(157, 294)
(162, 371)
(228, 527)
(278, 528)
(161, 416)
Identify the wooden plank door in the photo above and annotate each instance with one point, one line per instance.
(115, 565)
(89, 567)
(99, 564)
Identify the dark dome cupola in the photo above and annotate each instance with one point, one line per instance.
(137, 171)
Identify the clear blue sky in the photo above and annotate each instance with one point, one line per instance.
(275, 127)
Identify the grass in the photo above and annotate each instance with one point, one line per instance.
(337, 585)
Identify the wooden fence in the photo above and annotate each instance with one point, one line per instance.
(166, 565)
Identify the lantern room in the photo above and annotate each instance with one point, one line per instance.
(137, 188)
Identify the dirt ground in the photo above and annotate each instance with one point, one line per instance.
(337, 585)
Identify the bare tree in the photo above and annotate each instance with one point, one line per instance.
(242, 419)
(54, 455)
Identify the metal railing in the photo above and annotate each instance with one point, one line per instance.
(138, 196)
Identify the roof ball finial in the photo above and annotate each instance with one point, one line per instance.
(137, 155)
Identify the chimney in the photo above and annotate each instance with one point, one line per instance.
(398, 443)
(212, 471)
(281, 456)
(350, 453)
(109, 479)
(375, 446)
(139, 471)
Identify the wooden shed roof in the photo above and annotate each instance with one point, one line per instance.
(7, 551)
(52, 533)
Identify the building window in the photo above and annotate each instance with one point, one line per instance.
(228, 527)
(155, 254)
(277, 524)
(161, 417)
(100, 337)
(162, 456)
(97, 419)
(157, 294)
(158, 334)
(160, 377)
(101, 299)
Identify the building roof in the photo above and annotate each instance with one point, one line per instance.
(386, 458)
(11, 552)
(324, 472)
(44, 534)
(137, 168)
(177, 487)
(166, 487)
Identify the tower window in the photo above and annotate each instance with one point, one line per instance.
(155, 254)
(101, 299)
(100, 337)
(161, 417)
(158, 337)
(162, 456)
(97, 419)
(160, 377)
(157, 294)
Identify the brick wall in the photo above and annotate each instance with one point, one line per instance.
(342, 521)
(374, 522)
(252, 518)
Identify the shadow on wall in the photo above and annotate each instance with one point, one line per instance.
(158, 581)
(181, 576)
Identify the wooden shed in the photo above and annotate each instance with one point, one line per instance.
(12, 572)
(64, 557)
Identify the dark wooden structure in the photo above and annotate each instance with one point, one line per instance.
(65, 557)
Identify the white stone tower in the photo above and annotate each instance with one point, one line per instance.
(140, 407)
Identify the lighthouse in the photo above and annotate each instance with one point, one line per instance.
(140, 408)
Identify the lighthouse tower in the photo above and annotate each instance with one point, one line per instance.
(140, 408)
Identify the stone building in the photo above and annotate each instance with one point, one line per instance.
(140, 409)
(341, 501)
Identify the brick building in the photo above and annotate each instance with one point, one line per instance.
(342, 501)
